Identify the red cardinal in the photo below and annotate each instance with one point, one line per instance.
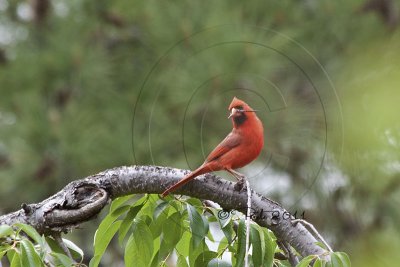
(242, 145)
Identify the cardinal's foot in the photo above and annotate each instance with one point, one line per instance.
(239, 185)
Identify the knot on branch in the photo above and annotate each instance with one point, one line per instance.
(83, 203)
(26, 208)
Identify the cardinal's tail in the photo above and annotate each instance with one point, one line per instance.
(201, 170)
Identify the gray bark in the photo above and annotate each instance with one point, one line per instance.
(82, 200)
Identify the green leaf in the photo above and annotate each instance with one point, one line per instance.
(156, 260)
(306, 261)
(2, 253)
(223, 243)
(198, 225)
(5, 230)
(336, 260)
(116, 203)
(182, 246)
(241, 251)
(158, 222)
(150, 204)
(62, 259)
(181, 262)
(107, 229)
(127, 222)
(10, 254)
(194, 202)
(270, 247)
(113, 215)
(218, 263)
(177, 205)
(258, 244)
(43, 247)
(212, 219)
(139, 248)
(102, 238)
(54, 246)
(30, 231)
(15, 260)
(172, 230)
(319, 263)
(73, 248)
(204, 258)
(209, 234)
(344, 259)
(194, 252)
(228, 231)
(76, 252)
(29, 256)
(161, 208)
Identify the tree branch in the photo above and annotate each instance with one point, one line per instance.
(82, 200)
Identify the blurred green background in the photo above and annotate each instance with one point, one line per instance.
(91, 85)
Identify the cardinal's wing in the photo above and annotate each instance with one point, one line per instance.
(231, 141)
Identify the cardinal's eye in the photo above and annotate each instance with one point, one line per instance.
(239, 107)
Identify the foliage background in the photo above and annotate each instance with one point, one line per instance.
(89, 85)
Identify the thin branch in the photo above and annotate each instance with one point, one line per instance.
(60, 242)
(82, 200)
(314, 230)
(290, 254)
(248, 219)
